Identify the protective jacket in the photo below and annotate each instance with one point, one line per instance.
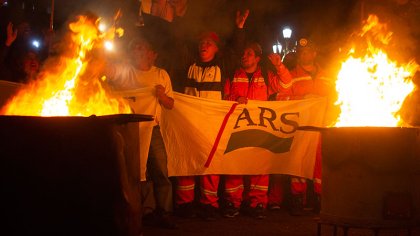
(258, 87)
(306, 83)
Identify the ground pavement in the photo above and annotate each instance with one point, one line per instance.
(276, 223)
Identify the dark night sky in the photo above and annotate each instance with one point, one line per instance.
(327, 22)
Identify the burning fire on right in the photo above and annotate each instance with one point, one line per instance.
(371, 87)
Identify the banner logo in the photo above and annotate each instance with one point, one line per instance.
(267, 118)
(258, 138)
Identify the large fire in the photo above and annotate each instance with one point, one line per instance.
(372, 88)
(73, 87)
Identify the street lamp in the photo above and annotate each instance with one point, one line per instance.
(277, 47)
(287, 34)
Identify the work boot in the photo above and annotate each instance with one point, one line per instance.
(208, 212)
(317, 204)
(274, 206)
(149, 219)
(230, 210)
(296, 206)
(185, 210)
(164, 220)
(258, 212)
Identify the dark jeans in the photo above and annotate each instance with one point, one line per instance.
(158, 184)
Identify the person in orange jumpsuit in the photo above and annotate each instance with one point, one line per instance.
(253, 82)
(309, 80)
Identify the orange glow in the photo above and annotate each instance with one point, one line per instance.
(372, 88)
(71, 84)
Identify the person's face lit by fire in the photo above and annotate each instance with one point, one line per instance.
(207, 49)
(306, 56)
(249, 59)
(144, 56)
(31, 63)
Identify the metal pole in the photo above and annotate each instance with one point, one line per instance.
(52, 16)
(140, 20)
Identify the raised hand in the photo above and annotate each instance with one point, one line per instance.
(11, 34)
(275, 59)
(241, 18)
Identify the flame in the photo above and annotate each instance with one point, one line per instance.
(72, 85)
(372, 88)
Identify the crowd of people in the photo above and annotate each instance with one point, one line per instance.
(19, 61)
(239, 71)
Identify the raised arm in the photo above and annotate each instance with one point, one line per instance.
(11, 34)
(280, 79)
(241, 18)
(10, 38)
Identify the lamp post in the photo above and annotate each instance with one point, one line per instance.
(277, 47)
(287, 34)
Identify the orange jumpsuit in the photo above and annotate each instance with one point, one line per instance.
(254, 88)
(304, 83)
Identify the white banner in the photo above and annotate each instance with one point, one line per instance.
(203, 137)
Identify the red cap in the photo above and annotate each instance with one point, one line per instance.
(210, 35)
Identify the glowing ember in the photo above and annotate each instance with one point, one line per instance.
(72, 86)
(372, 88)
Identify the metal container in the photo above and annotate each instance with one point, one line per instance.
(70, 175)
(371, 176)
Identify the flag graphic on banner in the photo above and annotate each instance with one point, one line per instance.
(258, 138)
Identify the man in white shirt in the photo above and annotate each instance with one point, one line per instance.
(140, 72)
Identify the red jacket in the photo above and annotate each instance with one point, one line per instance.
(256, 89)
(307, 83)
